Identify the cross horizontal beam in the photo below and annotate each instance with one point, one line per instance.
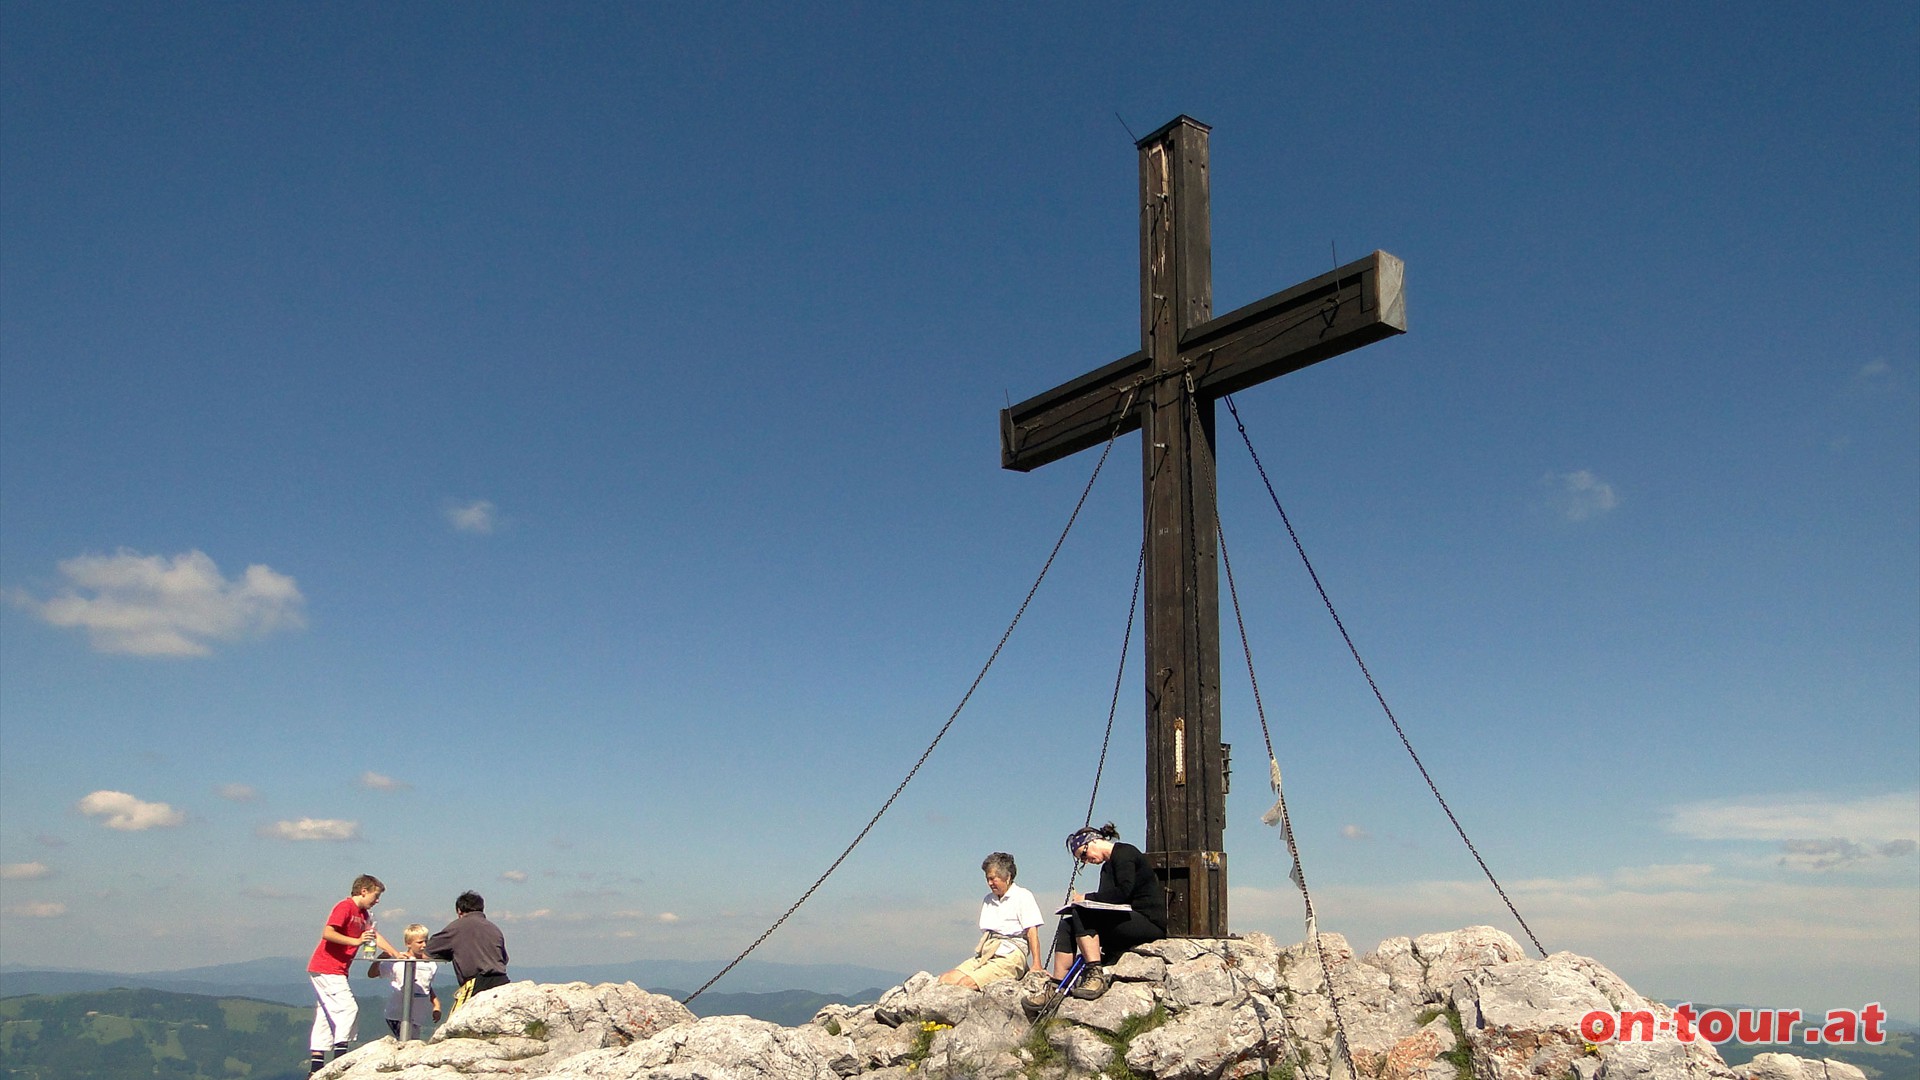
(1358, 304)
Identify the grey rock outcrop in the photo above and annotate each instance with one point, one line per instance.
(521, 1029)
(1788, 1067)
(1464, 1005)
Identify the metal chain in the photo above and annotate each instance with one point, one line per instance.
(955, 715)
(1299, 874)
(1113, 707)
(1374, 686)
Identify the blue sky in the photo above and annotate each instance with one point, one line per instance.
(552, 450)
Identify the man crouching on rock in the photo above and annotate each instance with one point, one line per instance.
(477, 948)
(1009, 929)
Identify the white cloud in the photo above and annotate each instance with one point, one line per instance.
(24, 871)
(1874, 819)
(666, 917)
(237, 792)
(374, 781)
(536, 915)
(1836, 852)
(1579, 495)
(124, 812)
(1671, 876)
(1873, 379)
(147, 605)
(477, 516)
(515, 876)
(46, 909)
(1671, 931)
(1355, 832)
(331, 829)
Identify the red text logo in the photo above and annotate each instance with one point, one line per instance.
(1866, 1024)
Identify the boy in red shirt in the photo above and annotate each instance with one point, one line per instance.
(348, 927)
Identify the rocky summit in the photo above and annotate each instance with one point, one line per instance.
(1465, 1005)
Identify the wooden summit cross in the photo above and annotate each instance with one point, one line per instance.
(1187, 358)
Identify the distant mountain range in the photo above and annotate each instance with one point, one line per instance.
(145, 1033)
(152, 1034)
(284, 979)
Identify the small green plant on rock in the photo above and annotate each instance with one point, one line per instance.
(1122, 1039)
(1134, 1026)
(923, 1042)
(1037, 1051)
(1461, 1056)
(536, 1029)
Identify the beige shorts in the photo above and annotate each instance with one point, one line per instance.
(986, 967)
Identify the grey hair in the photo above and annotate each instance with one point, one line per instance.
(1001, 864)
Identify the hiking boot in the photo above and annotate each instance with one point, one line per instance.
(1037, 998)
(1093, 982)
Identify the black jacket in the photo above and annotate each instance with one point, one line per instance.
(1126, 878)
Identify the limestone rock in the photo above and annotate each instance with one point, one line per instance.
(1082, 1050)
(1122, 1002)
(1463, 1005)
(1419, 1056)
(926, 999)
(1138, 967)
(984, 1036)
(1445, 957)
(1204, 980)
(892, 1047)
(1204, 1042)
(719, 1048)
(524, 1028)
(1788, 1067)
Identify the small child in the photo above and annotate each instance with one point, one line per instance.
(424, 999)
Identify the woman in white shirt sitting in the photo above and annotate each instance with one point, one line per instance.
(1009, 929)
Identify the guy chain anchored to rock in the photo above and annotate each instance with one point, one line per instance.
(1452, 1006)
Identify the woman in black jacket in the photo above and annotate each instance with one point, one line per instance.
(1134, 911)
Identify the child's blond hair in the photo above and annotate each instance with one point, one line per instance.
(417, 930)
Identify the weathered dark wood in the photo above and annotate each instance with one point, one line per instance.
(1187, 359)
(1358, 304)
(1186, 810)
(1067, 419)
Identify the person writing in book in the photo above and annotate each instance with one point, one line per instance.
(1009, 929)
(1132, 910)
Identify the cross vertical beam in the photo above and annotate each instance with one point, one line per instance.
(1187, 359)
(1186, 806)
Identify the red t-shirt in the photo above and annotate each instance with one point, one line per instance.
(330, 958)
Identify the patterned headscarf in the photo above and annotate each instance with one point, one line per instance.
(1080, 838)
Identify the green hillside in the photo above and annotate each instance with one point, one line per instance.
(123, 1034)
